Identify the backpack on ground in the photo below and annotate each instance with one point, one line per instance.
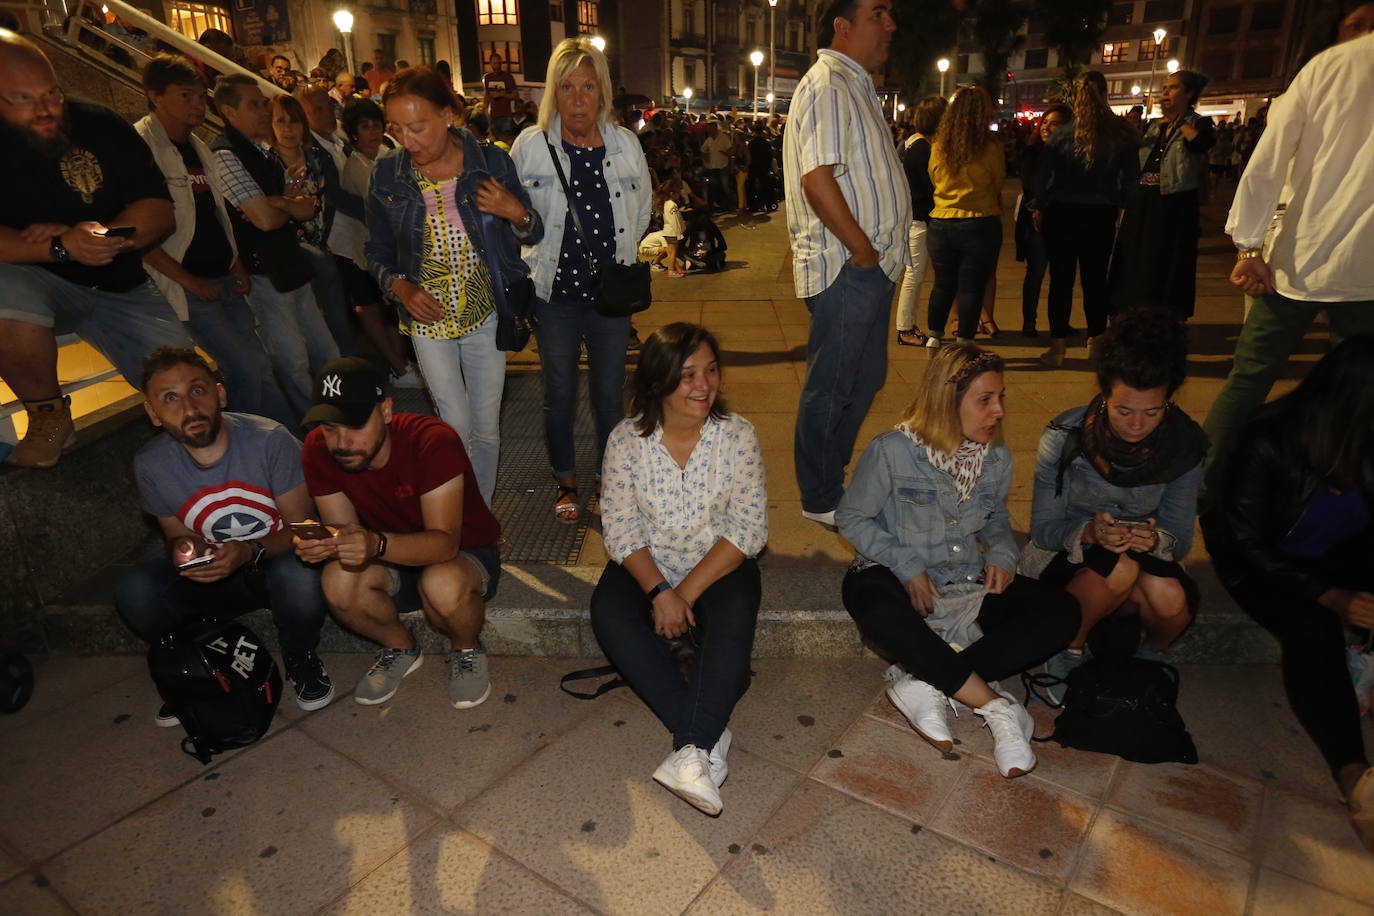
(221, 682)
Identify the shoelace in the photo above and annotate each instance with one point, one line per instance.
(465, 662)
(384, 661)
(687, 756)
(1003, 725)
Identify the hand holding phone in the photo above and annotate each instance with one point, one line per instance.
(120, 232)
(190, 552)
(312, 531)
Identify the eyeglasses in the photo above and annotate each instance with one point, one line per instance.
(53, 98)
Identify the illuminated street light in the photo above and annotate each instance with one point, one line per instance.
(1135, 90)
(772, 56)
(1172, 66)
(343, 21)
(687, 94)
(599, 43)
(942, 65)
(1154, 62)
(756, 58)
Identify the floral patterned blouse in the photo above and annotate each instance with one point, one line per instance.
(679, 514)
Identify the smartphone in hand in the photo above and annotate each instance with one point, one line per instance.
(312, 531)
(204, 560)
(120, 232)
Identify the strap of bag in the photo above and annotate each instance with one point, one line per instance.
(586, 674)
(572, 210)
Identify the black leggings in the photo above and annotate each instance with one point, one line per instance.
(1079, 239)
(1023, 626)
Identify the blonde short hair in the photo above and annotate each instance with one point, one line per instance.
(934, 412)
(570, 54)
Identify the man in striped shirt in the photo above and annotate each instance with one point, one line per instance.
(848, 208)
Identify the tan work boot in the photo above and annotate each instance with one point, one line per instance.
(51, 432)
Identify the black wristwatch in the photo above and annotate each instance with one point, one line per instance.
(381, 546)
(658, 589)
(259, 551)
(59, 252)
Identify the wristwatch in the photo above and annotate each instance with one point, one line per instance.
(658, 589)
(1249, 254)
(381, 545)
(58, 251)
(259, 551)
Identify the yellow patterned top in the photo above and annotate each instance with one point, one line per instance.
(451, 270)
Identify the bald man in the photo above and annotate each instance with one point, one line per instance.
(73, 171)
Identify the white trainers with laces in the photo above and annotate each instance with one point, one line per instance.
(719, 768)
(686, 773)
(1011, 749)
(1023, 718)
(924, 707)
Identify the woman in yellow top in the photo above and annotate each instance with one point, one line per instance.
(967, 168)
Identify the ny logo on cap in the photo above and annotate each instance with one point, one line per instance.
(333, 386)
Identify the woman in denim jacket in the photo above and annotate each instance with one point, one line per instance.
(611, 188)
(1116, 490)
(443, 217)
(927, 513)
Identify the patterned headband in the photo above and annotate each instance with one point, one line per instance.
(983, 362)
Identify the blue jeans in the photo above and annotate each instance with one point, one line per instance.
(154, 599)
(466, 378)
(562, 327)
(124, 327)
(224, 327)
(295, 336)
(846, 365)
(964, 254)
(332, 298)
(695, 710)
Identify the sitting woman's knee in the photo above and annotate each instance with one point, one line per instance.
(1165, 595)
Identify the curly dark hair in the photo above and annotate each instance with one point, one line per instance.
(660, 372)
(1143, 349)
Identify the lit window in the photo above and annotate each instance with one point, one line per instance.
(190, 19)
(588, 15)
(508, 52)
(1115, 53)
(497, 12)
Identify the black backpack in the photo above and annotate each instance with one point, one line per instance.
(221, 682)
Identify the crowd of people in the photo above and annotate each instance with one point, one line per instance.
(263, 244)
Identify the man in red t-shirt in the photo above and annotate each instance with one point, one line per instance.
(411, 530)
(501, 95)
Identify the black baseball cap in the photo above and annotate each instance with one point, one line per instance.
(346, 391)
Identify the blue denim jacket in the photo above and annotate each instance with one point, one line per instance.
(396, 218)
(902, 512)
(1184, 161)
(1057, 521)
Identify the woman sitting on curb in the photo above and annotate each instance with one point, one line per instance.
(684, 510)
(927, 513)
(1116, 490)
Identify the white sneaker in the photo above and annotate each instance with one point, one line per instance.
(825, 519)
(1023, 718)
(924, 707)
(411, 378)
(933, 342)
(686, 773)
(1011, 750)
(719, 768)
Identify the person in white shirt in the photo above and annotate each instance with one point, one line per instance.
(1318, 139)
(684, 511)
(848, 214)
(715, 153)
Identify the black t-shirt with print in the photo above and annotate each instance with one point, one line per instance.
(209, 254)
(106, 167)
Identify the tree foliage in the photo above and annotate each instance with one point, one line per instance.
(926, 32)
(1073, 27)
(996, 30)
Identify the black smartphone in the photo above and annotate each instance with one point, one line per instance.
(198, 561)
(120, 232)
(312, 531)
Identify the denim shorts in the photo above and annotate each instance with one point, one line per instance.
(404, 584)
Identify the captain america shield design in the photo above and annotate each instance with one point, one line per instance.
(232, 511)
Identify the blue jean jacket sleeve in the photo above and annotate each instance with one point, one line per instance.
(861, 507)
(380, 248)
(999, 544)
(1051, 524)
(503, 170)
(1178, 513)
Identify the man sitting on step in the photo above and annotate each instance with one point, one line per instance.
(81, 199)
(412, 530)
(222, 485)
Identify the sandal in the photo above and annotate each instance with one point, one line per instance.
(989, 328)
(911, 338)
(566, 511)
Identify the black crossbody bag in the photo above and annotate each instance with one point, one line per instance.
(621, 289)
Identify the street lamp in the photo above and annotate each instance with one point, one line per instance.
(756, 58)
(1172, 66)
(942, 65)
(687, 94)
(772, 57)
(1154, 62)
(599, 43)
(1135, 90)
(343, 21)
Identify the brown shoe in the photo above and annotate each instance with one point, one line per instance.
(51, 432)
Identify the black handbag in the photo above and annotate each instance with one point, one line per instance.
(621, 289)
(283, 261)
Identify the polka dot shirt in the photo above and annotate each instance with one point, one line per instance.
(591, 195)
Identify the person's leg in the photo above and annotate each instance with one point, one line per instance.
(320, 346)
(451, 593)
(1099, 595)
(443, 369)
(606, 340)
(148, 598)
(125, 327)
(224, 327)
(330, 296)
(1023, 626)
(1095, 231)
(726, 614)
(981, 241)
(559, 334)
(282, 339)
(622, 619)
(1062, 254)
(383, 334)
(358, 599)
(881, 608)
(912, 276)
(1347, 319)
(294, 594)
(1163, 609)
(1037, 262)
(944, 259)
(28, 342)
(484, 368)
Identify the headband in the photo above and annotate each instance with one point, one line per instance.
(981, 363)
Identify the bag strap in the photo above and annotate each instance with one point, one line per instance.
(572, 210)
(586, 674)
(1034, 684)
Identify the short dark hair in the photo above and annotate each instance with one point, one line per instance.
(166, 357)
(1144, 348)
(277, 57)
(292, 107)
(929, 111)
(1193, 83)
(227, 89)
(835, 9)
(1059, 108)
(425, 83)
(167, 70)
(358, 112)
(479, 125)
(660, 372)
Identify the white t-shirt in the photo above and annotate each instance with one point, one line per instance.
(672, 219)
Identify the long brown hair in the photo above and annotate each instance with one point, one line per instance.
(1098, 133)
(964, 127)
(660, 372)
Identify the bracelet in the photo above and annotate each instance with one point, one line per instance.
(525, 223)
(381, 545)
(1249, 254)
(658, 589)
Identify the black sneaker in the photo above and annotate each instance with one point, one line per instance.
(165, 718)
(306, 673)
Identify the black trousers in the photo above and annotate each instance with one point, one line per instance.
(1023, 626)
(1079, 240)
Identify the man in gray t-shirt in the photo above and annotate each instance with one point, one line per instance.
(223, 486)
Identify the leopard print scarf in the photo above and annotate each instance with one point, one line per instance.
(965, 466)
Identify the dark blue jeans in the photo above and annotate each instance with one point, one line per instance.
(1037, 262)
(224, 328)
(333, 299)
(1079, 238)
(696, 710)
(846, 365)
(562, 328)
(964, 254)
(154, 599)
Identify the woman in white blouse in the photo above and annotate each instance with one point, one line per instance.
(684, 511)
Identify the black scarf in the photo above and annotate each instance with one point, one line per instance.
(1175, 447)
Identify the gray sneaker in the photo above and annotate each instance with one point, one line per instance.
(468, 681)
(384, 677)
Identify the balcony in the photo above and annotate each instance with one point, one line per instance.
(689, 40)
(425, 7)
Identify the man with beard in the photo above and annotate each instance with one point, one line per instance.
(224, 485)
(74, 171)
(412, 531)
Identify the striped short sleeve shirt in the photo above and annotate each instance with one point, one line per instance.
(836, 120)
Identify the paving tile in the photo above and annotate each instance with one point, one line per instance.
(797, 707)
(1279, 895)
(452, 754)
(824, 852)
(1078, 905)
(892, 769)
(1082, 771)
(586, 815)
(761, 397)
(1316, 843)
(1201, 801)
(447, 870)
(1026, 821)
(30, 896)
(1139, 867)
(63, 679)
(792, 537)
(748, 337)
(288, 827)
(10, 864)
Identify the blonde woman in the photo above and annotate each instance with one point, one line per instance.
(933, 583)
(967, 168)
(609, 183)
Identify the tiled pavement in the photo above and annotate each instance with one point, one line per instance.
(538, 803)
